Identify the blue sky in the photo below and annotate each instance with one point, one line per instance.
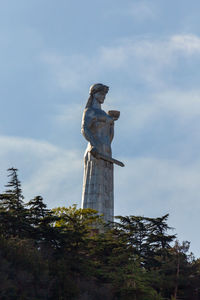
(148, 52)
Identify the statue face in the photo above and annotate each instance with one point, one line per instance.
(100, 97)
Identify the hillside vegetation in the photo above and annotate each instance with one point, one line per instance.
(69, 253)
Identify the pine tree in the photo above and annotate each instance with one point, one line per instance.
(41, 220)
(12, 208)
(14, 195)
(37, 210)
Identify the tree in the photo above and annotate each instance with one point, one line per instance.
(76, 227)
(39, 217)
(37, 209)
(12, 208)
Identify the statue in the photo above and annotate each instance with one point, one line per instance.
(98, 130)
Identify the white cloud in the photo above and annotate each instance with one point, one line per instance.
(153, 187)
(157, 49)
(67, 114)
(189, 44)
(68, 71)
(147, 59)
(46, 170)
(142, 59)
(152, 179)
(182, 107)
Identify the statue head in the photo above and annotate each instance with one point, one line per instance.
(97, 88)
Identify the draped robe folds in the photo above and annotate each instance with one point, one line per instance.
(98, 129)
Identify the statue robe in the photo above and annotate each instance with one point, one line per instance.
(98, 129)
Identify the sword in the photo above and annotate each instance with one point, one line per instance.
(109, 159)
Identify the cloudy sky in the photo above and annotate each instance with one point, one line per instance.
(148, 52)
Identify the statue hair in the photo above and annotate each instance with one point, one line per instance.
(95, 88)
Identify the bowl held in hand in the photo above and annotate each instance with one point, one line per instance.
(114, 114)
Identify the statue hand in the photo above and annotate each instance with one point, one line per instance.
(94, 152)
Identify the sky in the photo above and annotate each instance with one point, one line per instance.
(148, 53)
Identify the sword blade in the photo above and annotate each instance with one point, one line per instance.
(110, 159)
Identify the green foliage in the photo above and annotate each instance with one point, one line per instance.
(13, 218)
(69, 253)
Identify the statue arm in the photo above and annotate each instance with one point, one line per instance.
(111, 131)
(114, 114)
(88, 119)
(89, 136)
